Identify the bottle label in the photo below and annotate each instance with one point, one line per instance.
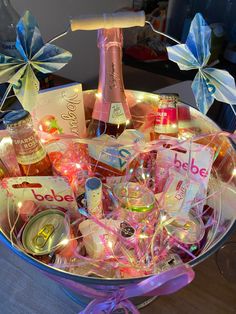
(111, 106)
(111, 155)
(117, 114)
(166, 118)
(28, 149)
(116, 153)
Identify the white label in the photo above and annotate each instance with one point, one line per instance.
(45, 191)
(117, 114)
(31, 159)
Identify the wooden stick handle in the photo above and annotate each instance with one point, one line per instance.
(112, 20)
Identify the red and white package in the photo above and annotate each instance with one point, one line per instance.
(44, 192)
(190, 159)
(180, 194)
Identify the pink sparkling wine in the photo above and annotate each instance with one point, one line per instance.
(111, 114)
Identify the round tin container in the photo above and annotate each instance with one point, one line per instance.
(135, 199)
(186, 230)
(45, 232)
(128, 233)
(126, 230)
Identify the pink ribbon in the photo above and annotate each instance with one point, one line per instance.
(107, 301)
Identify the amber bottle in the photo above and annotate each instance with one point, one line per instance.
(30, 153)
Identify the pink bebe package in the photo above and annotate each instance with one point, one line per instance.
(32, 193)
(61, 111)
(191, 160)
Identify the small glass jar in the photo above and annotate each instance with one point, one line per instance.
(166, 120)
(186, 229)
(136, 201)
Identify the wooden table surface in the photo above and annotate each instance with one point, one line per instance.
(23, 290)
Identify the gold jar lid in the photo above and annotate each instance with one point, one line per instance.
(168, 96)
(134, 197)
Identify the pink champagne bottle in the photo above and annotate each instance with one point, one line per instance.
(111, 114)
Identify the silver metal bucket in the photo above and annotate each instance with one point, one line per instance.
(223, 203)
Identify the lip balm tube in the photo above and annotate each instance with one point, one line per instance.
(93, 190)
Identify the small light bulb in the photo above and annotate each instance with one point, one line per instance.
(110, 244)
(140, 99)
(98, 95)
(78, 166)
(143, 236)
(65, 241)
(19, 204)
(6, 140)
(234, 172)
(163, 218)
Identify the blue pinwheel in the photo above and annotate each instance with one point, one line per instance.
(209, 83)
(31, 55)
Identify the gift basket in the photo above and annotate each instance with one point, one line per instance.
(114, 194)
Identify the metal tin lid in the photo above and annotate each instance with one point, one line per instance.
(45, 231)
(186, 230)
(15, 116)
(93, 183)
(134, 197)
(126, 230)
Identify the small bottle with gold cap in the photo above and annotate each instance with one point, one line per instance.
(166, 117)
(30, 153)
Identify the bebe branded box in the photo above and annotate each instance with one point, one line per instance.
(189, 158)
(45, 191)
(193, 161)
